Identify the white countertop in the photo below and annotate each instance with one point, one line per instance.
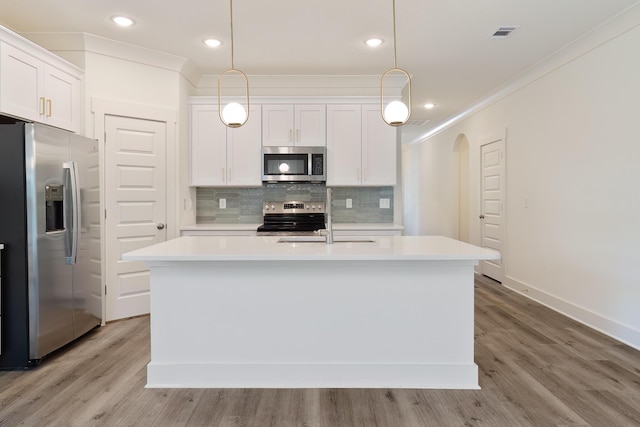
(220, 227)
(364, 226)
(252, 227)
(267, 248)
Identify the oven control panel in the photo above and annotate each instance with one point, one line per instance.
(292, 207)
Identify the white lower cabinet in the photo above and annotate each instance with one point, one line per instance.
(222, 156)
(39, 87)
(361, 148)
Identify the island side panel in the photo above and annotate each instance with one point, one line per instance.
(312, 324)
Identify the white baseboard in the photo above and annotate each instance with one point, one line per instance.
(302, 375)
(610, 327)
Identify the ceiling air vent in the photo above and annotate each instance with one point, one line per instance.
(416, 122)
(503, 32)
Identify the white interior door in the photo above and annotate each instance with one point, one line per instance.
(135, 208)
(491, 209)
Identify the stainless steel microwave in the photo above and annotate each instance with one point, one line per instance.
(294, 164)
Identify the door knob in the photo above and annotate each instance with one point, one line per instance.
(160, 226)
(481, 217)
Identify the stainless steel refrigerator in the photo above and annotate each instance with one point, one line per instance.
(50, 228)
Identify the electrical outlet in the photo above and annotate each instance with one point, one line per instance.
(349, 203)
(223, 203)
(384, 204)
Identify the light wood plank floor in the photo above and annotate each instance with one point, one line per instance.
(537, 368)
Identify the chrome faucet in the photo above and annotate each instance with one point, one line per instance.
(329, 225)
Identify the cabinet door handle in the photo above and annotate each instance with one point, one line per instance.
(223, 175)
(298, 135)
(42, 105)
(49, 108)
(290, 132)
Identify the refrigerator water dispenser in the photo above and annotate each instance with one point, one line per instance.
(54, 207)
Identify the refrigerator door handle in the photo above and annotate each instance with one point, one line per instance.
(75, 210)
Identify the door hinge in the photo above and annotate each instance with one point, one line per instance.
(105, 214)
(105, 289)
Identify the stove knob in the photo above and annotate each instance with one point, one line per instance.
(273, 207)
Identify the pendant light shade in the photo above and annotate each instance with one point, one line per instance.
(233, 114)
(395, 113)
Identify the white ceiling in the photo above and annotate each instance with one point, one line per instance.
(444, 44)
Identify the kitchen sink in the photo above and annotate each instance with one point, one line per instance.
(321, 239)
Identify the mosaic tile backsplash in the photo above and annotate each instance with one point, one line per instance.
(244, 205)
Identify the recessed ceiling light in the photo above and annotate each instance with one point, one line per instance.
(212, 42)
(429, 105)
(373, 42)
(122, 21)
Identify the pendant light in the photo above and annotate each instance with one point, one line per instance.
(233, 114)
(396, 113)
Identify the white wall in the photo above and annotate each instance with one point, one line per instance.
(187, 194)
(573, 156)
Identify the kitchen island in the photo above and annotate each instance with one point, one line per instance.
(246, 311)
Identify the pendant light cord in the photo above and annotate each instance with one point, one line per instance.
(395, 56)
(231, 16)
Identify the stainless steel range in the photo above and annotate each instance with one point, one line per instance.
(292, 218)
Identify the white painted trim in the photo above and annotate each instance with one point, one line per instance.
(302, 375)
(311, 81)
(28, 46)
(89, 43)
(255, 100)
(607, 326)
(294, 85)
(615, 27)
(101, 107)
(108, 47)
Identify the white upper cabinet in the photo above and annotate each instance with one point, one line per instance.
(222, 156)
(361, 148)
(208, 146)
(294, 124)
(310, 123)
(38, 86)
(379, 145)
(344, 143)
(62, 99)
(244, 151)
